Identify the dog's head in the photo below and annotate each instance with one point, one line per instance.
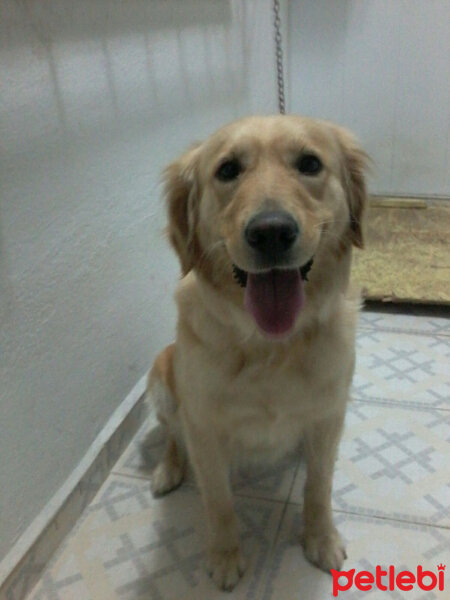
(267, 198)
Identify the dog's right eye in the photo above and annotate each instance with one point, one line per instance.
(229, 170)
(309, 164)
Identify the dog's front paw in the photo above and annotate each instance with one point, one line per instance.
(226, 567)
(325, 551)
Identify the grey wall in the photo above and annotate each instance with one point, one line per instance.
(95, 98)
(382, 67)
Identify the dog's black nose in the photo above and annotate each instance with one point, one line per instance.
(271, 232)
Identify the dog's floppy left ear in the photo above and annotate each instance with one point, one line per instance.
(182, 197)
(355, 162)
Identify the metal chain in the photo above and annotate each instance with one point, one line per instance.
(279, 57)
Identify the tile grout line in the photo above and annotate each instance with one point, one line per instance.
(398, 404)
(273, 545)
(382, 517)
(400, 330)
(285, 507)
(271, 551)
(391, 519)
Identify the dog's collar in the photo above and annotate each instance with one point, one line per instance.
(240, 276)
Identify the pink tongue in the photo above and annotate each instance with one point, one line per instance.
(274, 299)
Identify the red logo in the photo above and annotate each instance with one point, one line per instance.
(388, 580)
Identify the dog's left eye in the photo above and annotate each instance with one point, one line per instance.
(309, 164)
(229, 170)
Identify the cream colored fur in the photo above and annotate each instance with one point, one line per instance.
(225, 391)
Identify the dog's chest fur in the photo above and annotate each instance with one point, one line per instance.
(267, 405)
(261, 395)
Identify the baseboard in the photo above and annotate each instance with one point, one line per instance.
(20, 569)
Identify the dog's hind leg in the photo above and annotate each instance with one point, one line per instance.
(169, 472)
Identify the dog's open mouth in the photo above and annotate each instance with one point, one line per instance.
(275, 297)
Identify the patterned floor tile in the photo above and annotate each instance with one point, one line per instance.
(393, 462)
(129, 546)
(272, 482)
(369, 542)
(144, 451)
(412, 369)
(395, 323)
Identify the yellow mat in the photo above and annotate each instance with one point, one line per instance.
(407, 254)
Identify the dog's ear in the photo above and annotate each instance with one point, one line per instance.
(355, 163)
(181, 190)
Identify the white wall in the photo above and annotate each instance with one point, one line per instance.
(382, 67)
(96, 96)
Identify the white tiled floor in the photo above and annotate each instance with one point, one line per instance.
(391, 495)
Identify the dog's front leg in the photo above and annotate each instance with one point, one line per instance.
(211, 465)
(321, 541)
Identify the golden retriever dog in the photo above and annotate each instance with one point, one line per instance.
(263, 216)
